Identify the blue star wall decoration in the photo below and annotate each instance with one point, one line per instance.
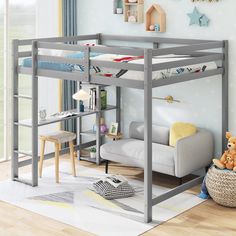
(197, 18)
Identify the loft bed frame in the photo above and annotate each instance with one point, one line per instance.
(200, 51)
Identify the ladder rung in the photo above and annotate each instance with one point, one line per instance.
(23, 96)
(25, 163)
(23, 124)
(23, 153)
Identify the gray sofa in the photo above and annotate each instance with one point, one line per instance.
(190, 154)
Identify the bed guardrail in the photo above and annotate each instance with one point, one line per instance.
(194, 49)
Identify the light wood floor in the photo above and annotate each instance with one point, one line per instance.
(203, 220)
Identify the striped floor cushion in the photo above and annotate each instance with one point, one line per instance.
(108, 191)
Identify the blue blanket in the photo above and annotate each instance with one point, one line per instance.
(47, 65)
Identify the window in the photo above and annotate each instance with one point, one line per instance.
(17, 21)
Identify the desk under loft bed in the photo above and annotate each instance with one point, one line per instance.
(146, 76)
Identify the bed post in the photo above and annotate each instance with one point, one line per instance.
(225, 95)
(148, 135)
(34, 115)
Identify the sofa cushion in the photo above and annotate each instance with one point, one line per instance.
(181, 130)
(131, 152)
(160, 134)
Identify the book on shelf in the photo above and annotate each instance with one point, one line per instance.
(93, 99)
(64, 114)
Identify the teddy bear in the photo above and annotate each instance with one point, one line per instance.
(228, 159)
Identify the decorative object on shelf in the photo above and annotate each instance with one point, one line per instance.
(197, 18)
(132, 16)
(103, 126)
(93, 152)
(114, 137)
(42, 114)
(228, 159)
(93, 99)
(221, 185)
(118, 7)
(152, 27)
(119, 11)
(81, 96)
(157, 27)
(113, 128)
(103, 99)
(168, 99)
(134, 11)
(156, 19)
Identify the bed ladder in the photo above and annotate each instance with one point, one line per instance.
(16, 164)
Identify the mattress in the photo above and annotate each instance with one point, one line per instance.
(161, 74)
(124, 74)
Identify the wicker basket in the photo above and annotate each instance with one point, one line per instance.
(221, 186)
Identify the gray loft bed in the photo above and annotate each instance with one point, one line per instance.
(201, 51)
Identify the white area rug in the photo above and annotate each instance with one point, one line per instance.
(74, 202)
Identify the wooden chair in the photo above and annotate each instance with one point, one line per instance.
(57, 138)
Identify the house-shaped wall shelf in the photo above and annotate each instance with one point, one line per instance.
(156, 19)
(134, 11)
(118, 7)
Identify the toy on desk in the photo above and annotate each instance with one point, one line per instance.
(228, 159)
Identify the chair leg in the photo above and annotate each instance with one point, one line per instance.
(106, 166)
(57, 162)
(41, 157)
(72, 158)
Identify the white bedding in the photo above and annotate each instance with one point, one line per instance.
(161, 74)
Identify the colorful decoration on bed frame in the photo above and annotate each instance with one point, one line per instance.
(134, 11)
(197, 18)
(156, 19)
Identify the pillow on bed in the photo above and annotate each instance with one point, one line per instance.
(180, 130)
(80, 55)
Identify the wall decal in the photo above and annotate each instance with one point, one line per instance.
(197, 18)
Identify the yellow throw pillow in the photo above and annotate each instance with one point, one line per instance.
(180, 130)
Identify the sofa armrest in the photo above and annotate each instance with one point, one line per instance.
(193, 153)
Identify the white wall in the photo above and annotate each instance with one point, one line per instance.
(201, 100)
(47, 26)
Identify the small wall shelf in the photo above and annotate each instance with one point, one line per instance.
(134, 11)
(156, 19)
(118, 8)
